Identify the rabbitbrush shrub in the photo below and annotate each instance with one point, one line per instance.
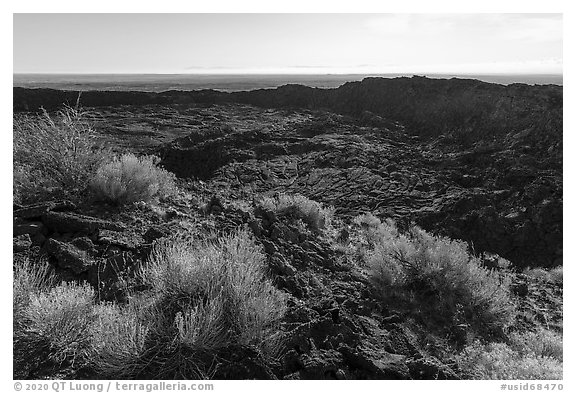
(202, 297)
(526, 356)
(226, 295)
(29, 278)
(120, 339)
(129, 179)
(439, 277)
(312, 213)
(554, 275)
(54, 155)
(52, 326)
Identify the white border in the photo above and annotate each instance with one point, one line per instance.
(296, 6)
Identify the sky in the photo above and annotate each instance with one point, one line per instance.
(288, 43)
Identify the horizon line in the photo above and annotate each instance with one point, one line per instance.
(287, 73)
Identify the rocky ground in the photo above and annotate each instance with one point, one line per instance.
(499, 196)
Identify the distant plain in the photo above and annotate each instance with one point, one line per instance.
(163, 82)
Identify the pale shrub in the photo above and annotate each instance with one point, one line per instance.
(120, 334)
(29, 278)
(542, 343)
(441, 273)
(554, 275)
(528, 356)
(298, 207)
(202, 297)
(131, 179)
(557, 275)
(222, 290)
(54, 329)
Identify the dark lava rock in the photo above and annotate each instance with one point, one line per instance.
(279, 265)
(155, 233)
(239, 362)
(39, 209)
(367, 362)
(321, 364)
(127, 240)
(430, 369)
(69, 222)
(69, 256)
(30, 228)
(84, 243)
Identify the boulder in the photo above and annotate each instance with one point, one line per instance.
(322, 364)
(69, 256)
(39, 209)
(370, 362)
(74, 223)
(154, 233)
(127, 240)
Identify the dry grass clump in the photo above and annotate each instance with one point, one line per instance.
(202, 297)
(298, 207)
(527, 356)
(120, 343)
(367, 221)
(51, 326)
(554, 275)
(54, 156)
(29, 278)
(439, 277)
(219, 291)
(129, 179)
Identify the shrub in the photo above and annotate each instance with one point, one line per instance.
(29, 278)
(298, 207)
(439, 277)
(202, 297)
(54, 156)
(542, 343)
(220, 291)
(54, 330)
(119, 344)
(131, 179)
(557, 275)
(367, 221)
(554, 275)
(528, 356)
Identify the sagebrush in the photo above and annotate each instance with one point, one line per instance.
(129, 179)
(220, 291)
(54, 155)
(297, 206)
(438, 277)
(52, 329)
(526, 356)
(554, 275)
(202, 297)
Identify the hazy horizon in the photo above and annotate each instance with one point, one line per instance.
(284, 73)
(238, 82)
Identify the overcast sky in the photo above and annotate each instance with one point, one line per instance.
(288, 43)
